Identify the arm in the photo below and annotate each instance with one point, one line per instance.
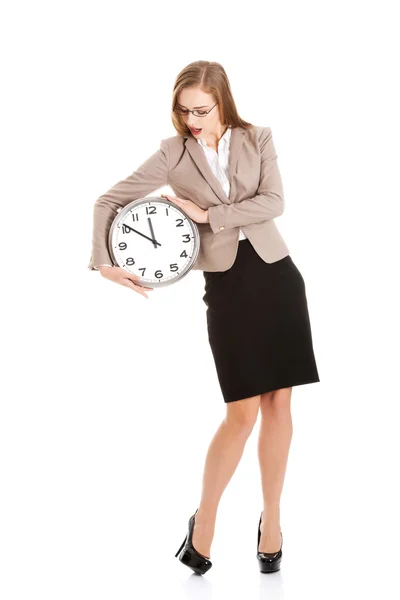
(150, 175)
(267, 204)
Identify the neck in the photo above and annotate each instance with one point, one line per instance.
(213, 138)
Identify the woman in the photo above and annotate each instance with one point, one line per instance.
(257, 315)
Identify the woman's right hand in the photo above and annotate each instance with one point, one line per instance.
(119, 275)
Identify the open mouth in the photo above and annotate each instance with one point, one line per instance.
(196, 131)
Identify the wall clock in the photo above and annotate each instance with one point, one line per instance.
(155, 239)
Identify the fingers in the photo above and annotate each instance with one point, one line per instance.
(173, 198)
(135, 278)
(128, 280)
(138, 288)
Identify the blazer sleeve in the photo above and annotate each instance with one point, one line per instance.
(268, 202)
(150, 175)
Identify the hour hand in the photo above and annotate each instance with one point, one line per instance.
(125, 226)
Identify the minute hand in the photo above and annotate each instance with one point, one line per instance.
(140, 233)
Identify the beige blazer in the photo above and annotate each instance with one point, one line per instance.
(255, 198)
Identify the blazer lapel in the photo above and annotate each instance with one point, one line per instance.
(200, 159)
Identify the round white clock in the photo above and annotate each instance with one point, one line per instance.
(154, 239)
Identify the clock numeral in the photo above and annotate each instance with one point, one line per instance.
(143, 269)
(187, 236)
(135, 216)
(152, 210)
(122, 246)
(130, 261)
(173, 265)
(159, 274)
(183, 254)
(181, 223)
(125, 228)
(166, 210)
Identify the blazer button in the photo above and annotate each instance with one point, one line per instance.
(222, 227)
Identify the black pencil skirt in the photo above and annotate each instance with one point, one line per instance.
(258, 325)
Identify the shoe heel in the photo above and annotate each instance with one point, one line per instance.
(183, 543)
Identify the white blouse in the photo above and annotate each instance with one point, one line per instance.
(219, 161)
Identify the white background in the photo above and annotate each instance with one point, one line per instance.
(109, 401)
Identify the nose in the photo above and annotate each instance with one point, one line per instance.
(191, 123)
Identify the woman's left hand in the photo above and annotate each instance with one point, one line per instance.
(193, 211)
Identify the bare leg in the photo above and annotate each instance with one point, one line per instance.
(275, 436)
(223, 456)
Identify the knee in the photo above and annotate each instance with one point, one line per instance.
(242, 414)
(276, 403)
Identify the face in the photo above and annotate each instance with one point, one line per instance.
(194, 98)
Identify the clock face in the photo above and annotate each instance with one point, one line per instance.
(154, 239)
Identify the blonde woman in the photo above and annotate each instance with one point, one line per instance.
(225, 175)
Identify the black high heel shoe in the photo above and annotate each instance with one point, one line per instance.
(269, 562)
(190, 556)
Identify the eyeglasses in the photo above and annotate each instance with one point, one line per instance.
(197, 113)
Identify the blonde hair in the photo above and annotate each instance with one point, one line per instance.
(212, 79)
